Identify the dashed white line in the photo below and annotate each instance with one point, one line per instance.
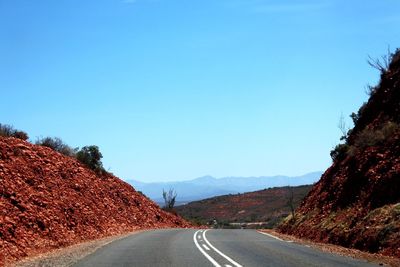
(227, 265)
(204, 246)
(219, 252)
(203, 252)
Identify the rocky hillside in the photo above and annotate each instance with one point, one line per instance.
(48, 200)
(268, 205)
(356, 202)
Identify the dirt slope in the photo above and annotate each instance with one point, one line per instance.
(48, 200)
(356, 202)
(268, 205)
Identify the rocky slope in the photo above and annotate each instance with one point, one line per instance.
(356, 202)
(268, 205)
(48, 200)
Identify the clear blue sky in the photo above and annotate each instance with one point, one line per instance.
(173, 90)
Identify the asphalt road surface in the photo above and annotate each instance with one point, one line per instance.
(225, 248)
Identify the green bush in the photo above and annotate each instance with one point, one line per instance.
(21, 135)
(366, 138)
(91, 157)
(9, 131)
(57, 145)
(372, 137)
(339, 152)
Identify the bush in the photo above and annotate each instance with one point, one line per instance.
(91, 157)
(370, 137)
(21, 135)
(366, 138)
(339, 152)
(9, 131)
(57, 145)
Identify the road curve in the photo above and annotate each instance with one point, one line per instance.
(225, 248)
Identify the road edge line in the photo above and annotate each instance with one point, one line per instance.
(275, 237)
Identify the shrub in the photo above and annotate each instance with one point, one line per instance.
(21, 135)
(6, 130)
(370, 137)
(57, 145)
(339, 152)
(91, 157)
(9, 131)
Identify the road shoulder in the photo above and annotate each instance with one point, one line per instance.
(353, 253)
(68, 256)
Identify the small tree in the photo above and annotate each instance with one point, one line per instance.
(341, 149)
(381, 64)
(342, 125)
(290, 198)
(169, 198)
(91, 157)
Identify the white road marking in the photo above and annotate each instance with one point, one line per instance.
(203, 252)
(199, 236)
(227, 265)
(204, 246)
(219, 252)
(277, 238)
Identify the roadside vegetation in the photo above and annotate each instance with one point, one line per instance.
(57, 145)
(87, 155)
(367, 137)
(169, 199)
(356, 202)
(9, 131)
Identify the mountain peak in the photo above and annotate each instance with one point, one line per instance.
(206, 178)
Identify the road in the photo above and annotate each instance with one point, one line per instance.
(225, 248)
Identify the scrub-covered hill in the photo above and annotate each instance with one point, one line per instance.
(269, 206)
(48, 200)
(357, 201)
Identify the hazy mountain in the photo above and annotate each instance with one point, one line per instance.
(208, 186)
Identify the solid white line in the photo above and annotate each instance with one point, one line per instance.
(219, 252)
(204, 246)
(277, 238)
(203, 252)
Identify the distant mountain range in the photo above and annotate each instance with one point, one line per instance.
(208, 186)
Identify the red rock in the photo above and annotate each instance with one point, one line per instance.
(43, 207)
(357, 201)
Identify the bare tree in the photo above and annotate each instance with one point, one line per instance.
(290, 197)
(383, 63)
(342, 125)
(169, 198)
(370, 90)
